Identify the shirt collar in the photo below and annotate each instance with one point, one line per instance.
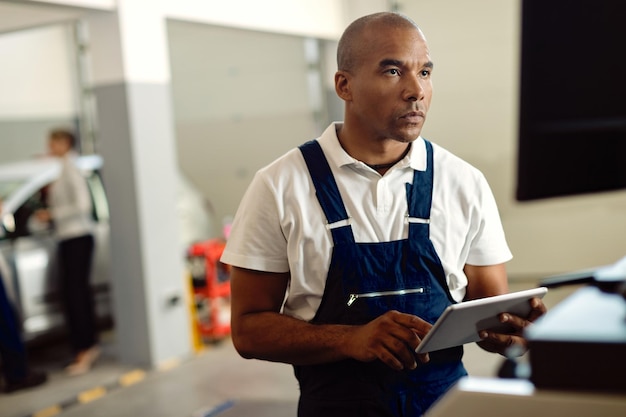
(336, 155)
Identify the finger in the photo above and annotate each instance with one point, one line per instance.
(538, 309)
(500, 343)
(406, 330)
(404, 349)
(393, 343)
(408, 338)
(518, 323)
(404, 352)
(415, 323)
(423, 357)
(393, 353)
(386, 357)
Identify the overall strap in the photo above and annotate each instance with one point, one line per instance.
(420, 195)
(327, 191)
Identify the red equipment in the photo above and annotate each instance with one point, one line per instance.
(211, 288)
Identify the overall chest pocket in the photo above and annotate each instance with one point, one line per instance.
(366, 306)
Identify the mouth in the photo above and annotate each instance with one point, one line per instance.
(414, 116)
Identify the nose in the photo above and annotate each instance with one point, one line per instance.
(413, 89)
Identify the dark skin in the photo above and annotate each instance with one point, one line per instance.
(260, 331)
(387, 95)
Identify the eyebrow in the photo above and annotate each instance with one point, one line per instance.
(397, 63)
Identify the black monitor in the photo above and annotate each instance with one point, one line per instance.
(572, 120)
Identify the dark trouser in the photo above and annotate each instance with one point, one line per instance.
(12, 351)
(75, 256)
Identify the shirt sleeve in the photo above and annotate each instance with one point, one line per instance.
(488, 246)
(256, 239)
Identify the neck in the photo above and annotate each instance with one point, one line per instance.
(378, 154)
(387, 165)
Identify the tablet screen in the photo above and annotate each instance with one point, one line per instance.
(460, 323)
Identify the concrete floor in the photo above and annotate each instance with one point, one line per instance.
(215, 381)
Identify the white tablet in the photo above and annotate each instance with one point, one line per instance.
(460, 323)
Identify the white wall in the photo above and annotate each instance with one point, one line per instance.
(36, 77)
(475, 47)
(94, 4)
(320, 18)
(240, 100)
(38, 90)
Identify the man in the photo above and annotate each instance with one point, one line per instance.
(346, 250)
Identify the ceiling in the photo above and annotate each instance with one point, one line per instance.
(14, 16)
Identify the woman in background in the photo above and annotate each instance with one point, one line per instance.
(70, 209)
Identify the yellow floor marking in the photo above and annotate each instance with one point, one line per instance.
(168, 364)
(91, 395)
(48, 412)
(132, 377)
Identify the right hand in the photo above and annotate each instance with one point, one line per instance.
(391, 338)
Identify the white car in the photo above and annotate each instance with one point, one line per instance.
(29, 247)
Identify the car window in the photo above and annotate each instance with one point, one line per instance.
(20, 224)
(25, 211)
(98, 197)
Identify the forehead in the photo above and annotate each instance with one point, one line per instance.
(58, 138)
(406, 44)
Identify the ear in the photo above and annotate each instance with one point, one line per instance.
(342, 85)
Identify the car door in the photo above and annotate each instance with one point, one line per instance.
(100, 276)
(30, 249)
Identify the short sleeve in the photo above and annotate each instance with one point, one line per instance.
(256, 240)
(488, 246)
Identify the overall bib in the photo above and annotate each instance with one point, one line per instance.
(364, 281)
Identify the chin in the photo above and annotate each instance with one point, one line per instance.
(407, 133)
(407, 137)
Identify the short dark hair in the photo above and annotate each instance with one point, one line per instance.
(64, 134)
(351, 46)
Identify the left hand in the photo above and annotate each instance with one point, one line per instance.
(500, 342)
(43, 215)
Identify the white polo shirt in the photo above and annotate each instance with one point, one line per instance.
(280, 226)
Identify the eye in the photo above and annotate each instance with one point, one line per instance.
(393, 71)
(425, 73)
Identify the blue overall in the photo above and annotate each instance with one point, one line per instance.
(12, 349)
(364, 281)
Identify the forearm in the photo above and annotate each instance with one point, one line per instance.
(260, 331)
(279, 338)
